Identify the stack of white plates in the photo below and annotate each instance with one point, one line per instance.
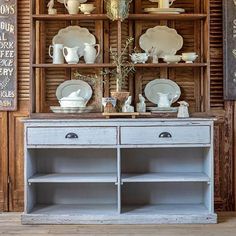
(156, 10)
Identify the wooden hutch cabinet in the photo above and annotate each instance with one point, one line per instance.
(86, 169)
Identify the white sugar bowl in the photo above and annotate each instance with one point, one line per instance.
(139, 58)
(189, 57)
(73, 100)
(87, 8)
(172, 59)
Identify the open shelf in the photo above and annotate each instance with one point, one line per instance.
(67, 17)
(165, 209)
(108, 65)
(74, 178)
(74, 209)
(165, 177)
(73, 65)
(167, 16)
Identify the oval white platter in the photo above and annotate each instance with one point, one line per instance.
(165, 39)
(74, 36)
(71, 110)
(81, 1)
(156, 10)
(70, 86)
(162, 86)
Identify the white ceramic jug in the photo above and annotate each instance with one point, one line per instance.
(164, 100)
(71, 55)
(165, 3)
(90, 53)
(57, 54)
(72, 6)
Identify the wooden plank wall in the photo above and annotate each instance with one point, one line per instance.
(11, 128)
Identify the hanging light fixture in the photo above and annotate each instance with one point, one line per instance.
(117, 9)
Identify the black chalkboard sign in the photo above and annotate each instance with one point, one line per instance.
(8, 55)
(230, 49)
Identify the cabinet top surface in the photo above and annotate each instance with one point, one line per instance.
(117, 121)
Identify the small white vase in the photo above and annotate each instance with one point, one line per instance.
(57, 54)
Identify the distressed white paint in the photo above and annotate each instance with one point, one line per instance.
(109, 175)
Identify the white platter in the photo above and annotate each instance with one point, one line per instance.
(71, 110)
(162, 86)
(81, 1)
(162, 109)
(156, 10)
(74, 36)
(69, 86)
(165, 39)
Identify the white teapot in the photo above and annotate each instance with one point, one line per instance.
(164, 100)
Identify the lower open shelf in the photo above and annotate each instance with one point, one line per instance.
(107, 214)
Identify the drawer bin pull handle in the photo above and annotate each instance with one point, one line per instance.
(72, 136)
(165, 135)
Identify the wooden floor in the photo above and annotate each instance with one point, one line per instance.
(10, 225)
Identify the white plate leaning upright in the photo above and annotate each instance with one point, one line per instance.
(74, 36)
(70, 86)
(165, 39)
(162, 86)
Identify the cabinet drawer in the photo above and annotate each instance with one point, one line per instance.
(72, 136)
(166, 135)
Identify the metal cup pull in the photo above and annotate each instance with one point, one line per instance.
(71, 136)
(165, 135)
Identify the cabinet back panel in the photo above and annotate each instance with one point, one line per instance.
(162, 193)
(162, 160)
(75, 160)
(76, 194)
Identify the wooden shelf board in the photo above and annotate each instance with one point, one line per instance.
(165, 209)
(102, 65)
(167, 16)
(67, 17)
(149, 65)
(144, 16)
(74, 178)
(165, 177)
(78, 209)
(108, 65)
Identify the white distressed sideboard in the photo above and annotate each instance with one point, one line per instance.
(122, 171)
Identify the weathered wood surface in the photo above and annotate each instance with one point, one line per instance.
(10, 225)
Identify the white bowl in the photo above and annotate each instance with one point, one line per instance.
(189, 57)
(172, 59)
(73, 103)
(139, 57)
(87, 8)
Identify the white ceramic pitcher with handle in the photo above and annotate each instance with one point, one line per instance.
(72, 6)
(90, 52)
(71, 55)
(57, 55)
(165, 3)
(164, 100)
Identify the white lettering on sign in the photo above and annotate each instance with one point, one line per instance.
(8, 54)
(7, 9)
(5, 103)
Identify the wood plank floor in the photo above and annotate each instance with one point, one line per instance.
(10, 225)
